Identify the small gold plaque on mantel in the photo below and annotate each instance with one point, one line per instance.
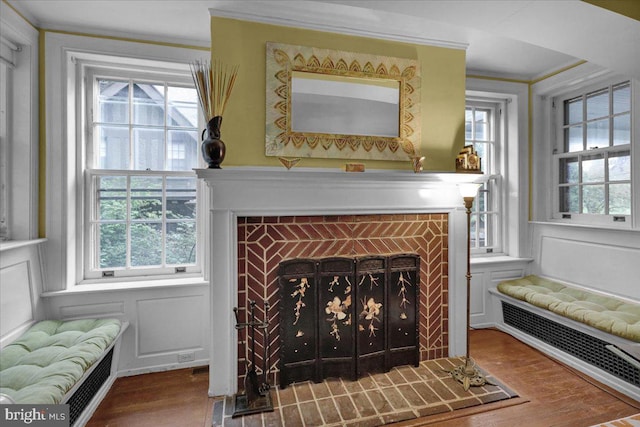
(354, 167)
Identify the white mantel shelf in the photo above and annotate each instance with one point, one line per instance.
(314, 174)
(275, 191)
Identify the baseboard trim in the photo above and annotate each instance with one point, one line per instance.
(162, 368)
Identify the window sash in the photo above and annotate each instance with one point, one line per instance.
(128, 220)
(162, 227)
(483, 123)
(584, 191)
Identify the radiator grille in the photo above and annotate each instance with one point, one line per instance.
(583, 346)
(83, 395)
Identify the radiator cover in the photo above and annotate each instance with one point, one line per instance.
(578, 344)
(83, 395)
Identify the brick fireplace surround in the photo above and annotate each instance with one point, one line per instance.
(259, 216)
(265, 241)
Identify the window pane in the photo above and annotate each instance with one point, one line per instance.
(621, 98)
(181, 243)
(569, 199)
(573, 139)
(113, 245)
(569, 171)
(113, 150)
(598, 134)
(146, 244)
(482, 231)
(468, 115)
(593, 168)
(593, 199)
(620, 199)
(472, 231)
(148, 104)
(112, 197)
(480, 204)
(622, 129)
(482, 132)
(146, 197)
(182, 107)
(481, 116)
(183, 150)
(573, 111)
(620, 166)
(181, 197)
(113, 101)
(148, 149)
(467, 131)
(598, 105)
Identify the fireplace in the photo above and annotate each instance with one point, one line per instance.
(321, 213)
(265, 242)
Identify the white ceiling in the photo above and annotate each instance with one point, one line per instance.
(519, 39)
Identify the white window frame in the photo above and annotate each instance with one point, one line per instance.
(511, 154)
(493, 168)
(19, 40)
(92, 69)
(65, 156)
(616, 221)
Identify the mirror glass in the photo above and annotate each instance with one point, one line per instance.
(324, 103)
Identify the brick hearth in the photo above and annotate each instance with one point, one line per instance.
(264, 241)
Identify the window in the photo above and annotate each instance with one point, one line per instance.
(4, 148)
(482, 130)
(593, 154)
(140, 191)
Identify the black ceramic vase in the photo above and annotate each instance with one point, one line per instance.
(213, 149)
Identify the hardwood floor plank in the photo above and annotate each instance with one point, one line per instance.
(557, 395)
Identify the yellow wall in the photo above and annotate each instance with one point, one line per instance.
(629, 8)
(243, 128)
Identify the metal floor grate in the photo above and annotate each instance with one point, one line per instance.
(83, 395)
(583, 346)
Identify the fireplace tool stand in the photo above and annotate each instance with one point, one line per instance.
(256, 397)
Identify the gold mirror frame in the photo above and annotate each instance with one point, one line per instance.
(282, 141)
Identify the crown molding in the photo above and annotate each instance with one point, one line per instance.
(335, 18)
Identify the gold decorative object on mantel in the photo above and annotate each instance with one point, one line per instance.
(468, 160)
(354, 167)
(288, 163)
(325, 103)
(416, 163)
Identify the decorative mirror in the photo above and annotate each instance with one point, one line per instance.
(333, 104)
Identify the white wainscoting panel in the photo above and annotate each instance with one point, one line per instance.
(107, 309)
(602, 259)
(169, 325)
(486, 274)
(20, 286)
(15, 293)
(607, 267)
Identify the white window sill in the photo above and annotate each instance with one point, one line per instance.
(86, 288)
(15, 244)
(498, 260)
(564, 223)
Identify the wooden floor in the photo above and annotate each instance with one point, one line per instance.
(557, 395)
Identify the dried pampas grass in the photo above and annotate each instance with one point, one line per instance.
(214, 82)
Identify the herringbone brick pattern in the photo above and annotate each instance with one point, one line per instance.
(263, 242)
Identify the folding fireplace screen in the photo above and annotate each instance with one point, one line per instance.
(344, 316)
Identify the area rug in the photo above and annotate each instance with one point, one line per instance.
(404, 393)
(632, 421)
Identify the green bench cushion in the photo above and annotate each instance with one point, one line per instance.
(49, 358)
(609, 314)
